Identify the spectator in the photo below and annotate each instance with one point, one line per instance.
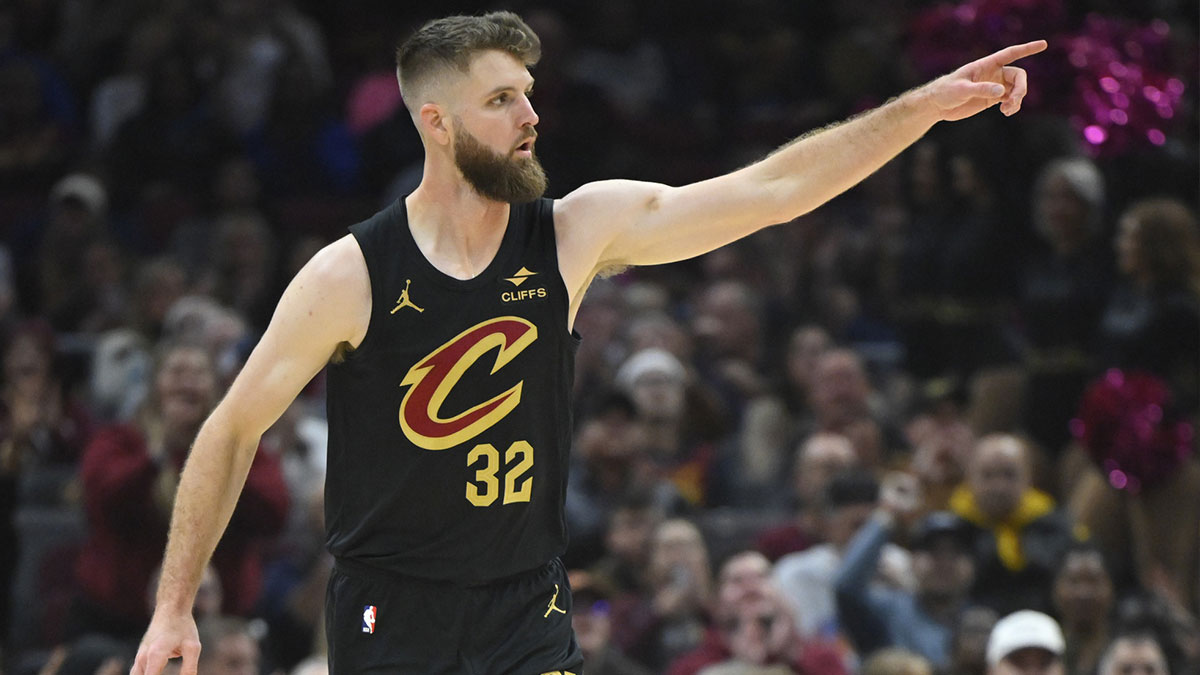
(761, 636)
(668, 617)
(41, 424)
(729, 339)
(231, 648)
(35, 143)
(921, 620)
(656, 381)
(630, 529)
(129, 474)
(1152, 321)
(1083, 599)
(158, 283)
(818, 459)
(611, 463)
(1025, 643)
(1176, 631)
(941, 439)
(894, 661)
(807, 578)
(968, 647)
(1019, 533)
(1134, 654)
(744, 583)
(67, 248)
(243, 267)
(805, 346)
(42, 433)
(741, 575)
(841, 396)
(592, 621)
(1064, 287)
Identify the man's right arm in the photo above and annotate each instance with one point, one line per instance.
(327, 304)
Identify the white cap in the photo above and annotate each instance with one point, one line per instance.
(649, 360)
(1021, 630)
(84, 187)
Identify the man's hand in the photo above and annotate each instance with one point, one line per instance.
(982, 84)
(167, 637)
(900, 495)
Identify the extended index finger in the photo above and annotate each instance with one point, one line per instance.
(1009, 54)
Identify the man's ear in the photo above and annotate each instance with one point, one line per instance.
(434, 123)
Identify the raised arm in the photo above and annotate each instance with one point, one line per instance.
(328, 303)
(617, 223)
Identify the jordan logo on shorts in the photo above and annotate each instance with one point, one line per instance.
(368, 625)
(551, 607)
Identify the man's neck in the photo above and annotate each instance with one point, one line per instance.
(458, 230)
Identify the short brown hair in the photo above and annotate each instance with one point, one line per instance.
(451, 42)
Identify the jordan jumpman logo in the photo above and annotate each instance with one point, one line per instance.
(404, 300)
(551, 607)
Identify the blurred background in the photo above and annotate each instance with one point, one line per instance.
(845, 444)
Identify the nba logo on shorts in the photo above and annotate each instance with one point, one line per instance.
(369, 619)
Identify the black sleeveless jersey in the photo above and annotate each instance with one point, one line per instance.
(450, 425)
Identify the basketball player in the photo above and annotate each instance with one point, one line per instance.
(446, 324)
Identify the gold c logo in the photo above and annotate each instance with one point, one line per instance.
(433, 378)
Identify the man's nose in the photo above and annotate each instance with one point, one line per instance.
(528, 114)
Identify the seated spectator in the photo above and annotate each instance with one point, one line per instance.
(229, 647)
(921, 620)
(1134, 653)
(591, 619)
(1064, 285)
(968, 646)
(760, 632)
(844, 401)
(42, 433)
(819, 458)
(34, 141)
(744, 582)
(894, 661)
(941, 440)
(130, 474)
(741, 575)
(668, 617)
(1083, 599)
(1176, 631)
(627, 540)
(73, 264)
(1025, 643)
(1019, 533)
(807, 578)
(41, 425)
(805, 346)
(656, 382)
(610, 463)
(1152, 321)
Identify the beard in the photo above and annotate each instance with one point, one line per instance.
(496, 177)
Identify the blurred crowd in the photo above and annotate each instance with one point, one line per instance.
(847, 444)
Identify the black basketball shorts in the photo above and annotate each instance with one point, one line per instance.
(377, 622)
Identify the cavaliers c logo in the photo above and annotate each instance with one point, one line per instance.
(433, 378)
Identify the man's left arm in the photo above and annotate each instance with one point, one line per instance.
(620, 222)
